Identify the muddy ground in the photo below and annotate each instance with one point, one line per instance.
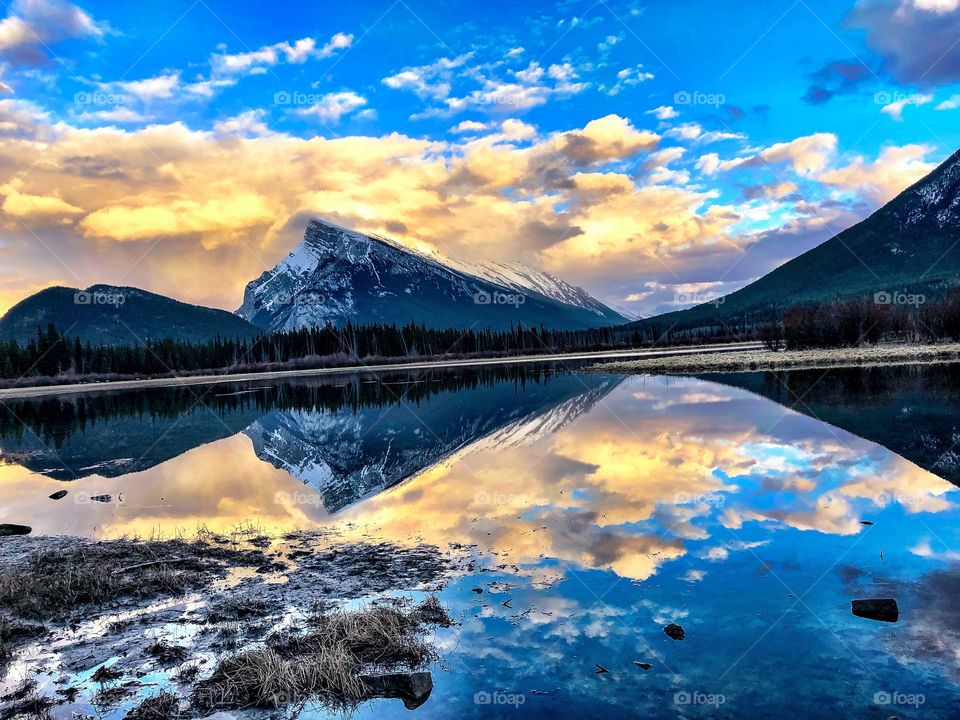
(93, 628)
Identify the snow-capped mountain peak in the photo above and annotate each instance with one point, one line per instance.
(337, 274)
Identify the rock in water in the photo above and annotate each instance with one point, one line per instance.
(413, 688)
(59, 495)
(674, 631)
(880, 609)
(8, 529)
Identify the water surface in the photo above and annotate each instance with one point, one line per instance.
(600, 509)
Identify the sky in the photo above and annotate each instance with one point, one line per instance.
(655, 153)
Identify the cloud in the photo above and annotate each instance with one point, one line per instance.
(35, 206)
(664, 112)
(886, 177)
(33, 25)
(916, 38)
(951, 103)
(333, 106)
(895, 108)
(298, 52)
(627, 77)
(229, 213)
(839, 77)
(604, 205)
(524, 88)
(428, 81)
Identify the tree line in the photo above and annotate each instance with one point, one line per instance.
(53, 354)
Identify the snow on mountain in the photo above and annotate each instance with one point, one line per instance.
(336, 275)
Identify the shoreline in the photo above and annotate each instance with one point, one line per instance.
(78, 388)
(765, 360)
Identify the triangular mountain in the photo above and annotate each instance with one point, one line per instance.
(337, 275)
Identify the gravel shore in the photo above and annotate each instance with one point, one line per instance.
(785, 360)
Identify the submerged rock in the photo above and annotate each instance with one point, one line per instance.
(880, 609)
(413, 688)
(59, 495)
(674, 631)
(8, 529)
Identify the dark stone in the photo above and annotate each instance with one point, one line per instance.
(59, 495)
(412, 688)
(880, 609)
(7, 529)
(674, 631)
(642, 666)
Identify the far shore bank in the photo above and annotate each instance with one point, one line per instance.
(28, 391)
(763, 359)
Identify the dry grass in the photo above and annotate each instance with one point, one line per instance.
(786, 360)
(25, 702)
(167, 653)
(324, 662)
(52, 583)
(163, 706)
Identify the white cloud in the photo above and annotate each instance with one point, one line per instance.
(33, 24)
(333, 106)
(949, 104)
(664, 112)
(431, 80)
(628, 77)
(257, 61)
(895, 109)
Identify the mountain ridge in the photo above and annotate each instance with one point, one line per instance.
(118, 315)
(337, 275)
(911, 244)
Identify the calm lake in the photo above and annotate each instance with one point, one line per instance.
(748, 508)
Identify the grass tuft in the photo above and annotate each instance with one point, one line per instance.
(325, 661)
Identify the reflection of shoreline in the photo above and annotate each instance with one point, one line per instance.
(116, 434)
(294, 375)
(912, 410)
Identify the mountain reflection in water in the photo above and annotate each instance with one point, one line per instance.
(603, 507)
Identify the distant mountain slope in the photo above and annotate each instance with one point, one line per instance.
(118, 316)
(336, 275)
(909, 245)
